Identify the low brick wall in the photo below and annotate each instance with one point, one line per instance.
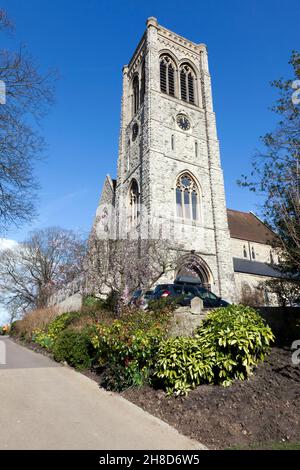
(284, 322)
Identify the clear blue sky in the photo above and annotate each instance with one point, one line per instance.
(249, 44)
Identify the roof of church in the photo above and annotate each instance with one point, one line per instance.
(255, 267)
(246, 226)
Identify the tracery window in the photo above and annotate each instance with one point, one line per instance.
(133, 215)
(187, 198)
(167, 75)
(187, 83)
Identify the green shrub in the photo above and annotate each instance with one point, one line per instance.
(227, 346)
(74, 347)
(14, 328)
(182, 364)
(60, 323)
(91, 302)
(128, 349)
(45, 338)
(164, 304)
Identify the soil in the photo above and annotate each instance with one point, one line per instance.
(252, 414)
(260, 412)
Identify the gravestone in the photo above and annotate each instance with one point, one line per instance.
(196, 306)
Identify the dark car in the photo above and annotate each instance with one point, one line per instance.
(141, 297)
(186, 292)
(169, 290)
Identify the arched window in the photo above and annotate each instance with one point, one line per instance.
(187, 198)
(136, 101)
(187, 83)
(167, 75)
(133, 214)
(245, 251)
(143, 84)
(271, 258)
(253, 253)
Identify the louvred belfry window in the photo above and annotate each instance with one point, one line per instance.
(187, 83)
(167, 75)
(136, 100)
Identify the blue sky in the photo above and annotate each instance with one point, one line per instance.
(249, 44)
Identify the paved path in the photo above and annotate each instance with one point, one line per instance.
(44, 405)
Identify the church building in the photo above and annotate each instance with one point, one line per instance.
(169, 178)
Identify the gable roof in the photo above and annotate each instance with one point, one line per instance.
(246, 226)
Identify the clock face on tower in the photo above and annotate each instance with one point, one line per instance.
(183, 122)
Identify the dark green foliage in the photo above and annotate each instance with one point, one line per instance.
(92, 304)
(74, 347)
(14, 328)
(111, 301)
(164, 304)
(227, 346)
(128, 348)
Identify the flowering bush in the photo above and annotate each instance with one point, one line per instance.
(46, 337)
(43, 339)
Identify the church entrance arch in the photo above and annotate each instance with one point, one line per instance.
(196, 269)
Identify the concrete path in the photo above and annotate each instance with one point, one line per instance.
(44, 405)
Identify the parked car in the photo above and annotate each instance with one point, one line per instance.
(140, 298)
(186, 292)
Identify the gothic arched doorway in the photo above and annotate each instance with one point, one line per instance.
(194, 268)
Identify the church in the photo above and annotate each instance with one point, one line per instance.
(169, 176)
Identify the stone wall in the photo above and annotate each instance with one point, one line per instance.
(261, 250)
(69, 298)
(184, 322)
(252, 282)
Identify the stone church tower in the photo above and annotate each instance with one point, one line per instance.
(170, 181)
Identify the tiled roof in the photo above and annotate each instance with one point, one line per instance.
(246, 226)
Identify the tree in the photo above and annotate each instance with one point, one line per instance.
(287, 291)
(28, 95)
(275, 172)
(32, 271)
(122, 266)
